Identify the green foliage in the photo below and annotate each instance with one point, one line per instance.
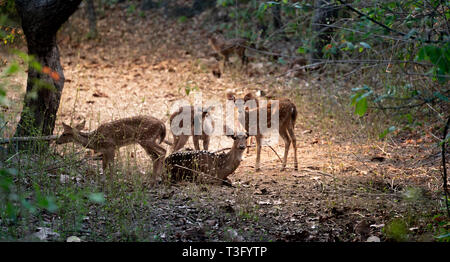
(442, 225)
(413, 194)
(182, 19)
(396, 230)
(359, 99)
(131, 9)
(97, 197)
(387, 131)
(440, 58)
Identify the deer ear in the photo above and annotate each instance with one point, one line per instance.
(81, 125)
(66, 127)
(249, 96)
(232, 136)
(230, 96)
(207, 110)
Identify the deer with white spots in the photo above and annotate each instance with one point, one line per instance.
(203, 119)
(146, 131)
(206, 166)
(287, 112)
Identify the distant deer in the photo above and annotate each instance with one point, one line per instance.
(287, 113)
(143, 130)
(226, 48)
(206, 166)
(181, 140)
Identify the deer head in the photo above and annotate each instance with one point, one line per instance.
(70, 132)
(240, 141)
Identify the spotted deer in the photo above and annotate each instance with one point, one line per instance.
(226, 48)
(206, 166)
(146, 131)
(287, 113)
(181, 140)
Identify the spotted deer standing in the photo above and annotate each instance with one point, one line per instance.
(226, 48)
(202, 116)
(146, 131)
(204, 166)
(287, 113)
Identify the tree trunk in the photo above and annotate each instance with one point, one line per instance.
(276, 13)
(41, 20)
(92, 17)
(324, 14)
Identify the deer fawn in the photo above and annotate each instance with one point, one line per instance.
(143, 130)
(287, 115)
(210, 167)
(180, 140)
(226, 48)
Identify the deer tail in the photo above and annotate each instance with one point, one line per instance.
(294, 113)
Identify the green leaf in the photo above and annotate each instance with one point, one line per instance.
(421, 55)
(441, 96)
(12, 69)
(443, 236)
(47, 203)
(301, 50)
(387, 131)
(410, 33)
(446, 140)
(97, 197)
(282, 61)
(365, 45)
(361, 106)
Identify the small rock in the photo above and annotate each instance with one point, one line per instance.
(211, 222)
(232, 235)
(44, 233)
(64, 179)
(373, 239)
(73, 239)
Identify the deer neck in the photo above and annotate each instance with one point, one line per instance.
(85, 139)
(216, 43)
(229, 163)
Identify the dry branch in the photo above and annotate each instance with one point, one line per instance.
(444, 165)
(28, 138)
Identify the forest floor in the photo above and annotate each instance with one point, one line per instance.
(347, 188)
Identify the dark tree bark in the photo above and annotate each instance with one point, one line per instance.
(92, 17)
(148, 4)
(324, 14)
(41, 20)
(276, 13)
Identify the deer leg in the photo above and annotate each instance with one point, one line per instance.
(258, 152)
(244, 60)
(179, 142)
(196, 144)
(108, 160)
(205, 142)
(175, 143)
(287, 143)
(294, 144)
(225, 62)
(157, 153)
(249, 143)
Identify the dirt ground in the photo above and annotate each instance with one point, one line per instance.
(343, 191)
